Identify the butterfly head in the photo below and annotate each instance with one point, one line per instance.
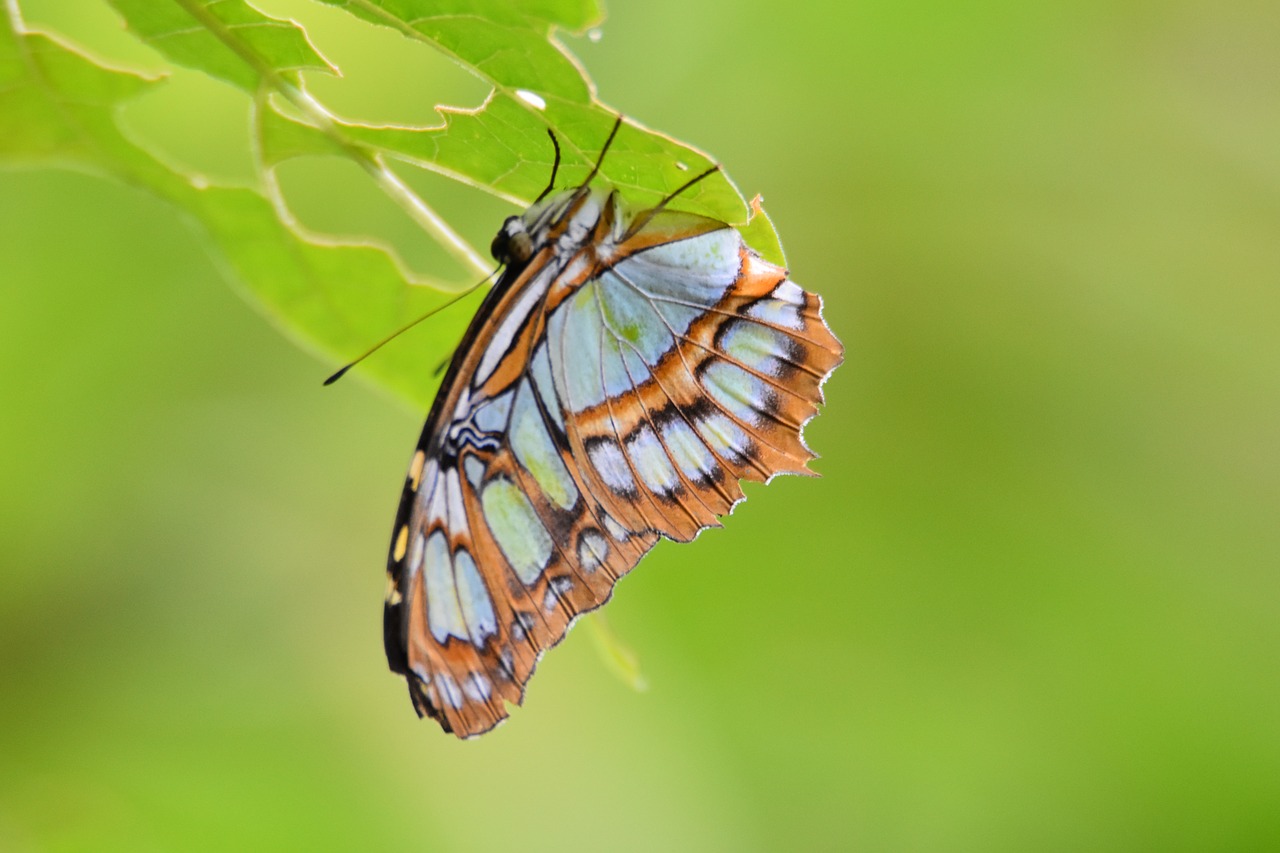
(574, 210)
(512, 245)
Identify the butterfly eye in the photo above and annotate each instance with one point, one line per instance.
(511, 245)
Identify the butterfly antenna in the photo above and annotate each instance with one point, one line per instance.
(605, 150)
(555, 167)
(648, 215)
(341, 372)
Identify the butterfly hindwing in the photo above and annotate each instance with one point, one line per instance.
(612, 390)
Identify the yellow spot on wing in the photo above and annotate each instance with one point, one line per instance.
(523, 539)
(415, 469)
(402, 543)
(535, 451)
(393, 595)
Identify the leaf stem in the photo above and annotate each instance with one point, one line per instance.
(620, 660)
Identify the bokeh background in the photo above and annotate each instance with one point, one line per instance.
(1032, 603)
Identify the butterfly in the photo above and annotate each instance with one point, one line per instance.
(626, 370)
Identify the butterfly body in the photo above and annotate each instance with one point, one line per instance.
(625, 372)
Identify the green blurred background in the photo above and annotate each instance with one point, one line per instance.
(1031, 604)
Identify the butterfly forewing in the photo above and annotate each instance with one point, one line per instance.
(613, 389)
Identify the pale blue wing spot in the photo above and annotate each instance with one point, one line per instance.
(453, 491)
(741, 394)
(789, 291)
(475, 471)
(433, 493)
(449, 690)
(698, 270)
(473, 597)
(444, 615)
(477, 687)
(575, 331)
(416, 551)
(515, 525)
(725, 437)
(616, 530)
(760, 348)
(545, 385)
(651, 461)
(609, 462)
(593, 550)
(777, 312)
(631, 317)
(557, 588)
(435, 505)
(491, 415)
(616, 380)
(691, 455)
(505, 335)
(535, 451)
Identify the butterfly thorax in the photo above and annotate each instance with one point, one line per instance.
(567, 222)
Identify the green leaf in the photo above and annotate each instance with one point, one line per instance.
(57, 108)
(334, 297)
(227, 39)
(502, 147)
(759, 234)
